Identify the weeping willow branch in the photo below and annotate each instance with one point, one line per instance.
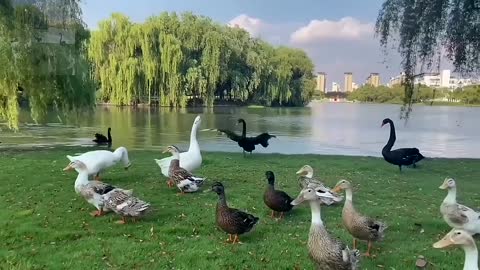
(424, 29)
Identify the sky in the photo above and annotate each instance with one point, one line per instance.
(338, 35)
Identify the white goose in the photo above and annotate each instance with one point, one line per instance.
(190, 160)
(100, 160)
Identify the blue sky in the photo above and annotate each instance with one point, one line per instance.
(337, 34)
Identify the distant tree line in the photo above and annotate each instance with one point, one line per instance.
(421, 93)
(173, 59)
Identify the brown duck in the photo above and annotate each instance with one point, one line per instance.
(276, 200)
(231, 220)
(184, 180)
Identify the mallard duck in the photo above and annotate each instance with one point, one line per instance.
(184, 180)
(91, 191)
(190, 160)
(464, 239)
(327, 252)
(231, 220)
(306, 179)
(100, 160)
(101, 139)
(456, 215)
(402, 156)
(247, 143)
(276, 200)
(123, 203)
(359, 226)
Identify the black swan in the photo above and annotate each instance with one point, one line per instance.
(247, 143)
(400, 157)
(101, 139)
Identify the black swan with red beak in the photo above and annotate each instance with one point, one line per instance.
(402, 156)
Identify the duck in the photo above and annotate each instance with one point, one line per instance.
(231, 220)
(359, 226)
(276, 200)
(91, 191)
(458, 237)
(123, 203)
(99, 160)
(402, 156)
(326, 251)
(184, 180)
(306, 179)
(247, 143)
(190, 160)
(101, 139)
(456, 215)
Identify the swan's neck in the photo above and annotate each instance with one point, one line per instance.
(471, 258)
(109, 136)
(309, 175)
(193, 138)
(348, 195)
(316, 213)
(451, 196)
(82, 180)
(392, 138)
(244, 129)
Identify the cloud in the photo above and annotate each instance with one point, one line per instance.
(252, 25)
(317, 31)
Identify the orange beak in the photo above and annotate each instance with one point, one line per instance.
(336, 189)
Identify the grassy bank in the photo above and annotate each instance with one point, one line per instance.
(45, 225)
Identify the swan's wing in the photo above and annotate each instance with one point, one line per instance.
(100, 137)
(230, 134)
(262, 139)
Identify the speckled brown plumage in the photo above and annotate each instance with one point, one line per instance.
(361, 227)
(125, 204)
(328, 253)
(231, 220)
(276, 200)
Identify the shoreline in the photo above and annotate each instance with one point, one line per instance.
(86, 148)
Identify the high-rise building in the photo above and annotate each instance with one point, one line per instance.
(335, 87)
(348, 85)
(321, 82)
(373, 79)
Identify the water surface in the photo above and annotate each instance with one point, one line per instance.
(321, 128)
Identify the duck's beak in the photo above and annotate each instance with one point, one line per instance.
(165, 151)
(443, 186)
(298, 200)
(68, 168)
(301, 172)
(337, 189)
(445, 242)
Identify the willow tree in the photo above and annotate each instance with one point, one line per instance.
(43, 72)
(426, 29)
(172, 58)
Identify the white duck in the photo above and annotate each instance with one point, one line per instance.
(100, 160)
(464, 239)
(456, 215)
(190, 160)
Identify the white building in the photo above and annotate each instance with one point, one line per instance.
(354, 86)
(444, 79)
(335, 87)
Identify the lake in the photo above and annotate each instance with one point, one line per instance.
(320, 128)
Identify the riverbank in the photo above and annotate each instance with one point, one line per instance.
(45, 225)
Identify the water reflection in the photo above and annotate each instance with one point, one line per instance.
(322, 128)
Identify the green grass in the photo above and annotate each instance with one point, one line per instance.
(45, 225)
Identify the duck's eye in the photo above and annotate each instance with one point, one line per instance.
(458, 233)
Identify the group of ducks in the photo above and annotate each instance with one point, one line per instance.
(325, 250)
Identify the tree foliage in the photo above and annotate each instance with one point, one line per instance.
(396, 94)
(173, 58)
(39, 71)
(425, 28)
